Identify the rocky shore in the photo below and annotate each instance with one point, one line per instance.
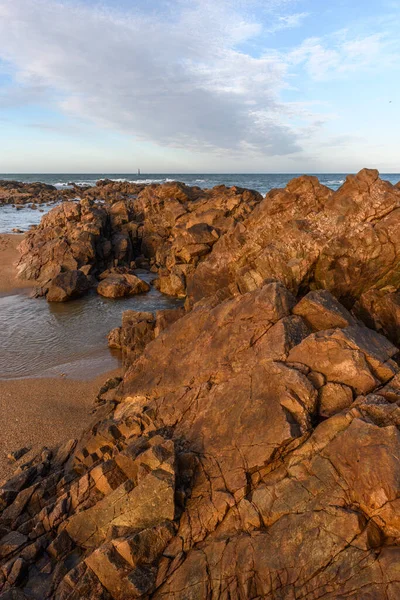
(252, 448)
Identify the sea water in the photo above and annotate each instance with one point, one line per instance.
(42, 339)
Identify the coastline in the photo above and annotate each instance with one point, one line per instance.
(38, 411)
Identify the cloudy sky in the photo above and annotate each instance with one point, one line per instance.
(198, 86)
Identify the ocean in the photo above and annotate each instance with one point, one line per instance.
(260, 182)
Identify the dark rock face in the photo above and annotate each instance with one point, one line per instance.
(66, 286)
(252, 449)
(380, 309)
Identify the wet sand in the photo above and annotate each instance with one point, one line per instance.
(9, 256)
(38, 412)
(43, 412)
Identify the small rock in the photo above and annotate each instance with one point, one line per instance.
(17, 454)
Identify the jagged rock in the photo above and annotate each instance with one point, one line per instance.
(17, 193)
(252, 448)
(93, 236)
(118, 286)
(380, 310)
(321, 311)
(308, 236)
(68, 238)
(181, 224)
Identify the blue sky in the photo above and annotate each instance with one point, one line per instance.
(199, 85)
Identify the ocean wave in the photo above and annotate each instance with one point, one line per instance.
(92, 182)
(334, 182)
(147, 180)
(61, 185)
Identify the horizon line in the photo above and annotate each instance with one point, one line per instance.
(194, 173)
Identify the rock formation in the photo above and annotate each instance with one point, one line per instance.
(82, 236)
(171, 226)
(252, 448)
(310, 237)
(181, 225)
(17, 193)
(250, 451)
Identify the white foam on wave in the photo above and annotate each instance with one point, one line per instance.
(148, 180)
(335, 182)
(92, 182)
(60, 185)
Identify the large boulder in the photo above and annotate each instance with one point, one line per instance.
(118, 286)
(69, 237)
(67, 286)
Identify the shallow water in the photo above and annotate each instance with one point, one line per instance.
(39, 339)
(23, 218)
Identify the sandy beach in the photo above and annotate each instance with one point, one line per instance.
(38, 411)
(9, 256)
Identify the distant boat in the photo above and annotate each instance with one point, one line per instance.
(138, 171)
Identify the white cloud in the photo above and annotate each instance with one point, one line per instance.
(177, 80)
(186, 77)
(339, 54)
(288, 22)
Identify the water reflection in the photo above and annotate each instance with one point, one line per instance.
(42, 339)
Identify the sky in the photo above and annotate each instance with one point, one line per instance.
(199, 86)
